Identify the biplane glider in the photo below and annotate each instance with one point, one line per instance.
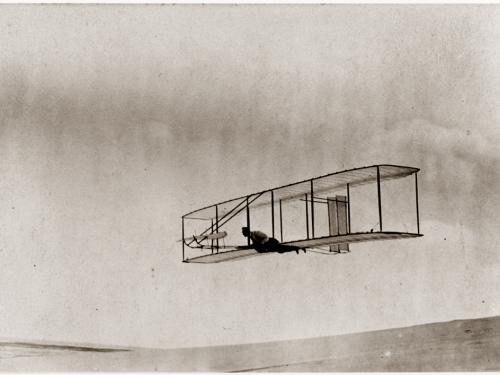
(322, 214)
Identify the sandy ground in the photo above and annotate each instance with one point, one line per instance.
(464, 345)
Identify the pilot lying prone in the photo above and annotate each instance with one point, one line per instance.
(265, 244)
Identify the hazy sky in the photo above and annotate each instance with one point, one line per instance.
(117, 120)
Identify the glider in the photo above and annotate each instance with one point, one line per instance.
(314, 192)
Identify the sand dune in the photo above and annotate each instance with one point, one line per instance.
(462, 345)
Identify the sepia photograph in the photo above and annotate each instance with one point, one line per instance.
(249, 188)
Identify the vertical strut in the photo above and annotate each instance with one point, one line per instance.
(416, 196)
(272, 211)
(217, 226)
(337, 213)
(212, 241)
(248, 221)
(183, 240)
(348, 210)
(379, 199)
(312, 209)
(307, 217)
(281, 222)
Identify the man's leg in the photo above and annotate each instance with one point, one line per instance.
(274, 245)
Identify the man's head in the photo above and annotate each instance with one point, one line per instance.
(245, 231)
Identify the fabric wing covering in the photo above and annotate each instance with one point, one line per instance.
(312, 243)
(322, 184)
